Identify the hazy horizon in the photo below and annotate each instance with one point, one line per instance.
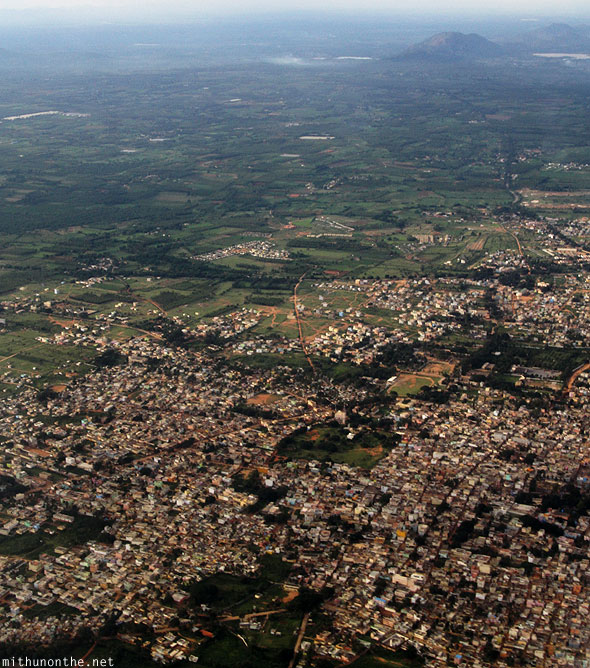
(78, 11)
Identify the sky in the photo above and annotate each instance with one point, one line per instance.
(138, 9)
(242, 6)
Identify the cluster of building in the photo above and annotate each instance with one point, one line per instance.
(262, 249)
(357, 343)
(153, 455)
(461, 541)
(105, 264)
(229, 325)
(577, 228)
(556, 316)
(434, 309)
(563, 242)
(467, 550)
(467, 540)
(504, 261)
(566, 166)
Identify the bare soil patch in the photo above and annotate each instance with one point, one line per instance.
(262, 399)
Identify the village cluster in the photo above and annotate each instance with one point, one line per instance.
(261, 249)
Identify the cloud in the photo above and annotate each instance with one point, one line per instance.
(287, 60)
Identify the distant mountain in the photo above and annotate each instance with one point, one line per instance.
(557, 37)
(453, 46)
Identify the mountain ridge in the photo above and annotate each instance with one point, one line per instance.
(553, 37)
(453, 46)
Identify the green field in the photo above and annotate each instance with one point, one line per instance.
(228, 650)
(31, 545)
(381, 658)
(331, 442)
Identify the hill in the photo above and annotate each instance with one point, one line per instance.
(555, 37)
(454, 46)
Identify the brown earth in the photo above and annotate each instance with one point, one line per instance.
(262, 399)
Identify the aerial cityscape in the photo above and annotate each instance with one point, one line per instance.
(295, 343)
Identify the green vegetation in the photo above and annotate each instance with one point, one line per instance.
(75, 190)
(332, 442)
(504, 352)
(241, 594)
(228, 650)
(52, 610)
(222, 591)
(381, 658)
(31, 545)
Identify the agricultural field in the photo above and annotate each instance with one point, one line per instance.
(108, 212)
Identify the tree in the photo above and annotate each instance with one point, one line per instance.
(204, 593)
(109, 358)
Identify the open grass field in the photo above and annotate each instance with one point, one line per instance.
(411, 383)
(31, 545)
(330, 442)
(228, 650)
(382, 658)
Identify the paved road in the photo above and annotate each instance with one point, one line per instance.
(296, 310)
(299, 639)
